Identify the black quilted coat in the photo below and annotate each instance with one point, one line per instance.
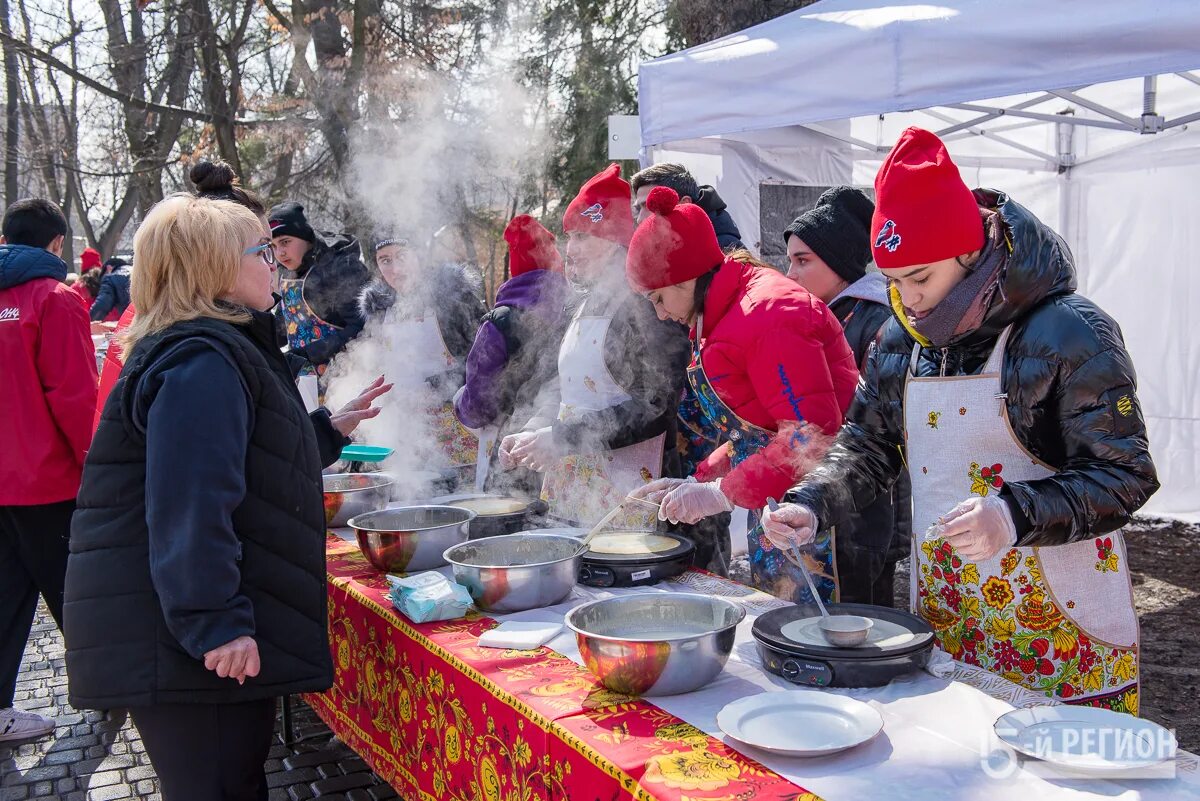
(1070, 389)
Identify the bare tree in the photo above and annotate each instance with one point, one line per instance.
(702, 21)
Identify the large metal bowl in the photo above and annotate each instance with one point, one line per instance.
(410, 538)
(350, 494)
(514, 572)
(656, 643)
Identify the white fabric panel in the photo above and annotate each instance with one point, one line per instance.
(794, 69)
(1136, 213)
(738, 166)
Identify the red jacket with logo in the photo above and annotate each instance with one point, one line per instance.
(777, 357)
(49, 388)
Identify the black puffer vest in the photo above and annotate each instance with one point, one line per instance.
(119, 650)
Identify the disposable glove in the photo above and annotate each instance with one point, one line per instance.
(789, 526)
(978, 528)
(657, 489)
(693, 501)
(539, 452)
(508, 444)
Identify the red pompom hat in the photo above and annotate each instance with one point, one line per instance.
(89, 258)
(530, 247)
(676, 243)
(603, 208)
(923, 210)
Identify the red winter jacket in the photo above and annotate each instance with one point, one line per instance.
(114, 362)
(774, 354)
(49, 368)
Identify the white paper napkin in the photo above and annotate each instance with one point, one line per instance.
(520, 635)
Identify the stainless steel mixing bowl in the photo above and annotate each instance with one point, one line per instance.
(657, 643)
(350, 494)
(513, 572)
(410, 538)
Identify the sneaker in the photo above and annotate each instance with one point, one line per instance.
(16, 724)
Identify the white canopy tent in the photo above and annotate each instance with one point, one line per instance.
(1084, 111)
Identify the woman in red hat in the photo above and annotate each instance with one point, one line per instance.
(1012, 402)
(770, 367)
(507, 368)
(620, 375)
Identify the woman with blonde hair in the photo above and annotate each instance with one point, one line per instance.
(195, 591)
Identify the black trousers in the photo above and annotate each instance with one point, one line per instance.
(33, 560)
(208, 752)
(866, 576)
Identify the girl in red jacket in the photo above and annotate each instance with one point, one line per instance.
(770, 366)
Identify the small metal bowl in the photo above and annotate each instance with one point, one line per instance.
(514, 572)
(410, 538)
(656, 644)
(846, 631)
(350, 494)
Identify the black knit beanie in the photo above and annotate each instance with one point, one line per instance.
(838, 229)
(287, 219)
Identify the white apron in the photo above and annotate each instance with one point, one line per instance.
(582, 488)
(1055, 619)
(419, 340)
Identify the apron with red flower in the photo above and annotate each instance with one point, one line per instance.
(770, 571)
(1056, 619)
(303, 324)
(427, 356)
(582, 488)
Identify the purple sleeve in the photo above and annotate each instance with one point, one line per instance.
(478, 404)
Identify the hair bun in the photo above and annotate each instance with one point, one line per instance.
(662, 200)
(213, 177)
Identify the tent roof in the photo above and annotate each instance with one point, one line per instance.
(839, 59)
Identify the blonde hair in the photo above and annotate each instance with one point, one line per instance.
(188, 254)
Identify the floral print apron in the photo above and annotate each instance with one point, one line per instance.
(582, 488)
(1055, 619)
(303, 324)
(770, 570)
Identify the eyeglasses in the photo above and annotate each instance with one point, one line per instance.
(267, 249)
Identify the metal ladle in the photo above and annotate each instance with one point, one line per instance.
(844, 631)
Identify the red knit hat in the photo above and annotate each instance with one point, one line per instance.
(89, 258)
(530, 247)
(676, 243)
(923, 210)
(602, 208)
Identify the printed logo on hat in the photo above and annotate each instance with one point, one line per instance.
(275, 224)
(888, 238)
(594, 212)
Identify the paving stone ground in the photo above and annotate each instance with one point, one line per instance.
(94, 756)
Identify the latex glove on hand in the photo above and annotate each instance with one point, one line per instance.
(539, 452)
(508, 445)
(978, 528)
(789, 526)
(657, 489)
(692, 501)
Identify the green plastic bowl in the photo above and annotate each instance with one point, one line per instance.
(365, 453)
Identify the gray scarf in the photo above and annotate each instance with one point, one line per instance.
(963, 309)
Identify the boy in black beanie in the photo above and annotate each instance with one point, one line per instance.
(321, 275)
(829, 248)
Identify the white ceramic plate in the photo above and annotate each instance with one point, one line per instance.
(1085, 738)
(803, 723)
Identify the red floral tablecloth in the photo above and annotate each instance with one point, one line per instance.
(440, 718)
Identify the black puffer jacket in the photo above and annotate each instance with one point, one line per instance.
(728, 235)
(1071, 400)
(179, 547)
(333, 276)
